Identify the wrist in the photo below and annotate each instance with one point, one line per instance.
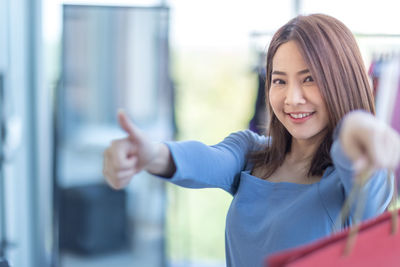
(161, 163)
(154, 157)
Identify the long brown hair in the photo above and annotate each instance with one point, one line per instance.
(336, 65)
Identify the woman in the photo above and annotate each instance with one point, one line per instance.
(288, 188)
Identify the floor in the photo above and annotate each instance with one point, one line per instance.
(126, 259)
(147, 251)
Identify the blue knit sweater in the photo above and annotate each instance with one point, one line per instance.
(265, 217)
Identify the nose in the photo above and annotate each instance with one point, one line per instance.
(294, 95)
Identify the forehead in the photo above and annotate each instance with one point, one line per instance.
(288, 57)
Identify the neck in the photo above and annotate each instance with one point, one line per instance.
(302, 151)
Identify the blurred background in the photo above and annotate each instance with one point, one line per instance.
(182, 69)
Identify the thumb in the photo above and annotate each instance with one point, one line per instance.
(360, 164)
(126, 124)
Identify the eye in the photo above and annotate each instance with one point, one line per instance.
(308, 79)
(278, 81)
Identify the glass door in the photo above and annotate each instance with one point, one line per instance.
(24, 239)
(112, 57)
(3, 68)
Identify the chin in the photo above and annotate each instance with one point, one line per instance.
(302, 135)
(308, 136)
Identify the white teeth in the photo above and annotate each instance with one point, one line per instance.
(299, 115)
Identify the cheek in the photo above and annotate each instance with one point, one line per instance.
(316, 96)
(274, 101)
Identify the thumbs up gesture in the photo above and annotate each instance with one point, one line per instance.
(126, 157)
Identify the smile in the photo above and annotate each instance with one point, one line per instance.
(300, 115)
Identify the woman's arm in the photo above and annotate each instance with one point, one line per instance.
(189, 164)
(360, 143)
(218, 166)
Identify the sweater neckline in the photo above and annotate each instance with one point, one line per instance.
(286, 184)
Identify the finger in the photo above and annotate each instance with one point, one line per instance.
(123, 183)
(119, 183)
(126, 123)
(109, 176)
(125, 165)
(116, 179)
(110, 170)
(394, 151)
(386, 150)
(123, 161)
(106, 164)
(126, 174)
(375, 151)
(122, 154)
(359, 155)
(353, 147)
(360, 164)
(396, 160)
(387, 157)
(397, 156)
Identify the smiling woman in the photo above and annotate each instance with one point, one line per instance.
(301, 173)
(314, 67)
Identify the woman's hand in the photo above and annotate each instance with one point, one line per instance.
(128, 156)
(368, 142)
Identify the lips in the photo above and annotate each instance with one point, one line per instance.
(300, 115)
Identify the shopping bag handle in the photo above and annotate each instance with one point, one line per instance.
(356, 191)
(395, 217)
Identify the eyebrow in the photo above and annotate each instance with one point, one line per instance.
(277, 72)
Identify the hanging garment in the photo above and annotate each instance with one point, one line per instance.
(372, 73)
(258, 122)
(388, 96)
(396, 118)
(375, 245)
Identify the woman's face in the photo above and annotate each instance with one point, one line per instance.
(294, 95)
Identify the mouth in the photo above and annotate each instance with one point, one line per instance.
(300, 116)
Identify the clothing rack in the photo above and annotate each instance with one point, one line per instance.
(356, 34)
(377, 35)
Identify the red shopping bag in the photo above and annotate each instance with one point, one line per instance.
(377, 244)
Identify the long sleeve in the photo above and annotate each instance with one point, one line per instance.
(218, 166)
(377, 192)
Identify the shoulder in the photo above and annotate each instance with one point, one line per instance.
(247, 140)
